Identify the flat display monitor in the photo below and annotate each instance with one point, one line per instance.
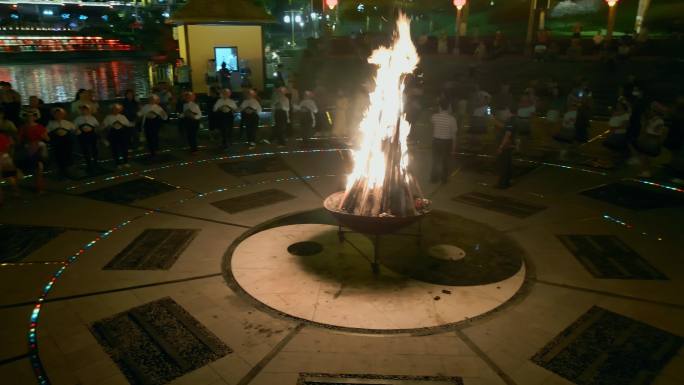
(228, 55)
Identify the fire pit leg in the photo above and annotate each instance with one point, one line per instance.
(376, 248)
(340, 233)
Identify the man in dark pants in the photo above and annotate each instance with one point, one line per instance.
(504, 151)
(444, 130)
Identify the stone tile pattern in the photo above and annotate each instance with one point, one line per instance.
(130, 191)
(606, 348)
(635, 196)
(252, 201)
(154, 343)
(374, 379)
(501, 204)
(154, 249)
(255, 166)
(606, 256)
(18, 242)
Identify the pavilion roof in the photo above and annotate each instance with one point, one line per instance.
(220, 11)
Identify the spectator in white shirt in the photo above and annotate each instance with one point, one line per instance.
(152, 116)
(308, 109)
(86, 124)
(444, 129)
(281, 115)
(190, 120)
(225, 108)
(249, 113)
(650, 142)
(61, 133)
(617, 124)
(118, 129)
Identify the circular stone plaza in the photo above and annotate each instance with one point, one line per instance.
(223, 269)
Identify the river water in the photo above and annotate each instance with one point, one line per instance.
(58, 82)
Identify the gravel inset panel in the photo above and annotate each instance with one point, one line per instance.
(500, 204)
(154, 249)
(18, 242)
(252, 200)
(635, 196)
(606, 348)
(606, 256)
(154, 343)
(158, 159)
(254, 166)
(130, 191)
(374, 379)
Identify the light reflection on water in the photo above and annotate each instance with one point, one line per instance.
(58, 82)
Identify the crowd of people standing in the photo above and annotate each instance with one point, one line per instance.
(31, 135)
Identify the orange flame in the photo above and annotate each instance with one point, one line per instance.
(379, 123)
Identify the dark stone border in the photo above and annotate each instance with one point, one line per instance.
(392, 377)
(523, 291)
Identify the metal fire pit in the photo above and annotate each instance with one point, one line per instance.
(374, 226)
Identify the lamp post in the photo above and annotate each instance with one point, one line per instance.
(612, 5)
(459, 4)
(332, 4)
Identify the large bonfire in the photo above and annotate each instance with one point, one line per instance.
(380, 183)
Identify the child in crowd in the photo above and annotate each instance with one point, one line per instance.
(7, 168)
(249, 113)
(118, 131)
(650, 142)
(152, 117)
(190, 120)
(61, 133)
(86, 124)
(225, 109)
(33, 136)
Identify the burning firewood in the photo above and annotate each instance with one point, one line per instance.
(380, 183)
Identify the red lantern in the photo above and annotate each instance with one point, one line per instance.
(331, 3)
(611, 3)
(459, 4)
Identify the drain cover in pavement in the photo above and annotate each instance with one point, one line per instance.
(154, 343)
(606, 256)
(636, 196)
(128, 192)
(154, 249)
(255, 166)
(606, 348)
(252, 201)
(18, 242)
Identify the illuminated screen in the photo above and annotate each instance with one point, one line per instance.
(228, 55)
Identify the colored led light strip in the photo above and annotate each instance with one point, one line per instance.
(34, 357)
(622, 223)
(659, 185)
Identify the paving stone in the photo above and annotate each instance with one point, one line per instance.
(501, 204)
(252, 201)
(606, 348)
(130, 191)
(157, 342)
(606, 256)
(154, 249)
(18, 242)
(635, 196)
(254, 166)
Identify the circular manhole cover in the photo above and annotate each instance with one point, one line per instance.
(305, 249)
